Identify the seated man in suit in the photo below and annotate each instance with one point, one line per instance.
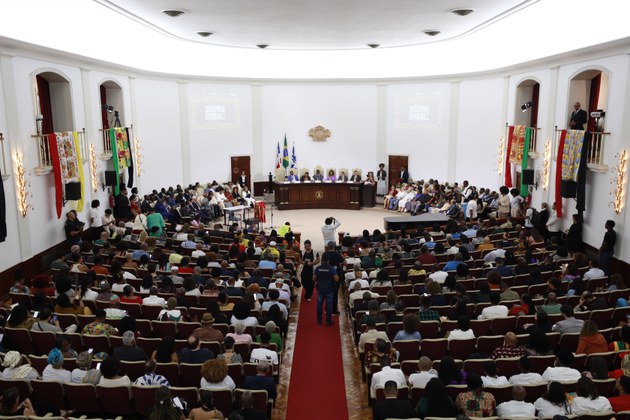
(355, 177)
(318, 176)
(305, 177)
(342, 177)
(261, 380)
(391, 406)
(292, 177)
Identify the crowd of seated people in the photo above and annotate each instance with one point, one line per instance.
(485, 318)
(150, 300)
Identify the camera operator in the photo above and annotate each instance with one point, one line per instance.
(328, 230)
(73, 228)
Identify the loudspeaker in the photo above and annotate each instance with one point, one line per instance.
(73, 191)
(528, 177)
(568, 189)
(110, 178)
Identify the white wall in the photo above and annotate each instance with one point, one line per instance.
(349, 112)
(448, 128)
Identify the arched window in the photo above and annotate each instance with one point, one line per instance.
(111, 103)
(526, 112)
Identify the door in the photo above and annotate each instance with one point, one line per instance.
(395, 163)
(241, 164)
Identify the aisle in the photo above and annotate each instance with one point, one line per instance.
(317, 388)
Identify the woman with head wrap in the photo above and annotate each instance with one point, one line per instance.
(16, 366)
(54, 371)
(83, 374)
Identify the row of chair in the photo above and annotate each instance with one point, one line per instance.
(122, 401)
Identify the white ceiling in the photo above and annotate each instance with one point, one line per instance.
(316, 24)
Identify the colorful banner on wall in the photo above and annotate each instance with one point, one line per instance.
(122, 147)
(518, 142)
(54, 157)
(508, 164)
(131, 166)
(528, 135)
(67, 153)
(571, 154)
(80, 166)
(558, 194)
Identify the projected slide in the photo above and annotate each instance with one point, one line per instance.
(419, 110)
(215, 111)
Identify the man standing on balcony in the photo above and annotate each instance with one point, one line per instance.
(579, 117)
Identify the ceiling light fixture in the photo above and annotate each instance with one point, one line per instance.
(262, 46)
(173, 12)
(432, 32)
(526, 106)
(462, 12)
(373, 45)
(204, 34)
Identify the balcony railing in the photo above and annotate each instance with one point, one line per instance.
(44, 157)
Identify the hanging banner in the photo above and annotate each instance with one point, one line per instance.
(571, 154)
(528, 135)
(54, 157)
(508, 164)
(558, 194)
(80, 166)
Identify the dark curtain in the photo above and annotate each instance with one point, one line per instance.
(104, 111)
(3, 212)
(580, 206)
(533, 122)
(130, 169)
(594, 99)
(43, 90)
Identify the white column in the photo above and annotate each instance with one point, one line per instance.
(452, 134)
(381, 123)
(185, 133)
(257, 163)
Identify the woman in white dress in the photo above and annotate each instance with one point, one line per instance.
(381, 180)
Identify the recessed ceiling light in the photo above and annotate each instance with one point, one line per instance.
(262, 46)
(173, 12)
(204, 33)
(462, 12)
(432, 32)
(373, 45)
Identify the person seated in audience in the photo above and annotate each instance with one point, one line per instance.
(569, 323)
(491, 378)
(246, 409)
(551, 305)
(264, 352)
(591, 341)
(170, 313)
(262, 380)
(475, 402)
(411, 327)
(373, 314)
(54, 371)
(463, 330)
(561, 371)
(624, 344)
(106, 294)
(381, 348)
(277, 317)
(622, 402)
(588, 399)
(436, 402)
(84, 373)
(387, 373)
(425, 373)
(128, 351)
(239, 335)
(449, 373)
(164, 407)
(553, 403)
(10, 404)
(150, 378)
(276, 338)
(129, 296)
(165, 353)
(110, 368)
(391, 406)
(525, 377)
(483, 295)
(487, 244)
(274, 295)
(99, 326)
(495, 310)
(588, 302)
(426, 313)
(538, 343)
(594, 271)
(508, 294)
(229, 355)
(525, 307)
(153, 299)
(371, 333)
(42, 283)
(517, 407)
(510, 348)
(194, 353)
(242, 313)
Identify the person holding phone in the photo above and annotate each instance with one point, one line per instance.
(10, 404)
(49, 322)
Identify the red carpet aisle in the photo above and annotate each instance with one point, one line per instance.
(317, 388)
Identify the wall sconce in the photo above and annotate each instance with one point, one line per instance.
(93, 168)
(547, 165)
(22, 184)
(500, 158)
(137, 155)
(619, 182)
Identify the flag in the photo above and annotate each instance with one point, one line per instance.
(528, 136)
(293, 158)
(278, 160)
(285, 154)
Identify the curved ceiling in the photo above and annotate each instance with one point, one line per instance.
(315, 25)
(316, 42)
